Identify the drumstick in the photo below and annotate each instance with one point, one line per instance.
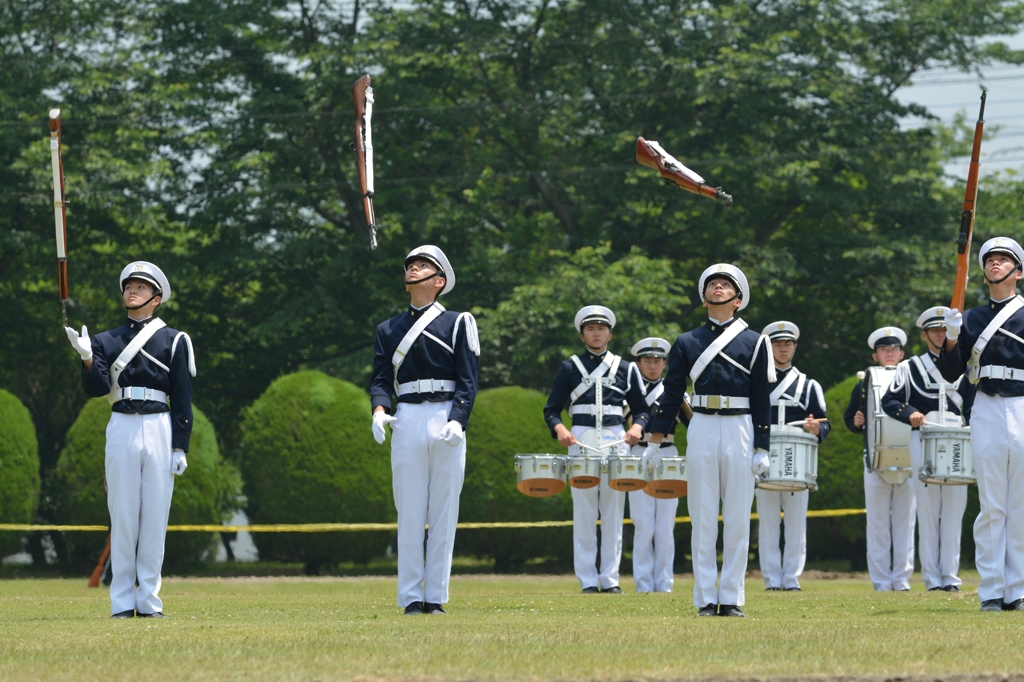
(599, 451)
(804, 421)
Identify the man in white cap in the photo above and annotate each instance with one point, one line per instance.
(654, 519)
(800, 398)
(729, 435)
(991, 339)
(890, 508)
(145, 370)
(430, 358)
(575, 385)
(913, 396)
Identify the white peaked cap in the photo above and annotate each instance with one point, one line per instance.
(782, 330)
(143, 270)
(932, 318)
(887, 336)
(437, 257)
(594, 313)
(733, 273)
(1001, 245)
(652, 346)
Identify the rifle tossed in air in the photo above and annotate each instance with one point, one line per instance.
(59, 212)
(362, 98)
(963, 242)
(652, 155)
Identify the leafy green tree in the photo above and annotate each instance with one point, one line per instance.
(19, 470)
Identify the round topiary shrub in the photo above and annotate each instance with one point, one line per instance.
(19, 470)
(505, 422)
(205, 494)
(308, 456)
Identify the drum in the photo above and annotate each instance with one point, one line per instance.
(668, 479)
(888, 440)
(583, 471)
(793, 460)
(946, 455)
(540, 475)
(626, 473)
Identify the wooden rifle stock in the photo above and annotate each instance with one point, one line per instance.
(963, 242)
(59, 212)
(97, 573)
(652, 155)
(362, 98)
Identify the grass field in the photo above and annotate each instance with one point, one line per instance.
(500, 627)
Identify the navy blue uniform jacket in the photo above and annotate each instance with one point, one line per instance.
(811, 399)
(907, 394)
(441, 352)
(162, 364)
(627, 388)
(720, 377)
(1001, 350)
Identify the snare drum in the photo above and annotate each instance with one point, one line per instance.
(626, 473)
(793, 460)
(583, 471)
(946, 455)
(540, 475)
(668, 479)
(888, 439)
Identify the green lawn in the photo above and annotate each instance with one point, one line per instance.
(500, 627)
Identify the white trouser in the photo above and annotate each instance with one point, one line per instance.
(997, 439)
(586, 506)
(890, 512)
(427, 476)
(654, 543)
(718, 453)
(940, 513)
(139, 488)
(779, 571)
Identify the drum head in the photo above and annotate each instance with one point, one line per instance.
(541, 487)
(666, 489)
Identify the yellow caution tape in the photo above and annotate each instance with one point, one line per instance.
(356, 527)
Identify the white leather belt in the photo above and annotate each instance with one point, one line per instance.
(721, 402)
(609, 410)
(667, 440)
(427, 386)
(139, 393)
(1001, 372)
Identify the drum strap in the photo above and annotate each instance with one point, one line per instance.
(609, 366)
(654, 393)
(780, 390)
(429, 315)
(933, 377)
(716, 347)
(128, 354)
(998, 321)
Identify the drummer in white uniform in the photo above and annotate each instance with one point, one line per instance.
(890, 508)
(912, 395)
(574, 386)
(804, 400)
(991, 338)
(654, 519)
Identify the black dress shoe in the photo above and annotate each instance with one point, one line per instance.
(614, 589)
(414, 609)
(937, 589)
(730, 610)
(951, 588)
(709, 610)
(124, 614)
(1015, 605)
(158, 614)
(792, 589)
(433, 609)
(773, 589)
(590, 590)
(992, 605)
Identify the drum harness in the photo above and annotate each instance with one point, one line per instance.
(651, 397)
(715, 349)
(933, 381)
(420, 327)
(996, 371)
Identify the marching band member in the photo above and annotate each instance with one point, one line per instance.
(890, 508)
(940, 508)
(804, 399)
(574, 385)
(991, 339)
(727, 442)
(654, 519)
(145, 369)
(430, 358)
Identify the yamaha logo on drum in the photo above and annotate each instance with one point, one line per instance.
(957, 461)
(788, 463)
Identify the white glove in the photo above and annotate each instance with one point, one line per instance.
(759, 463)
(954, 321)
(651, 457)
(379, 420)
(452, 433)
(178, 462)
(80, 342)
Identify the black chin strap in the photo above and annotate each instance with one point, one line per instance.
(144, 304)
(988, 281)
(423, 279)
(728, 300)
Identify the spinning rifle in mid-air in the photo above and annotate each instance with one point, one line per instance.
(362, 98)
(59, 212)
(652, 155)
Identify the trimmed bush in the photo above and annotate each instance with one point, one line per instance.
(205, 493)
(507, 421)
(19, 470)
(308, 456)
